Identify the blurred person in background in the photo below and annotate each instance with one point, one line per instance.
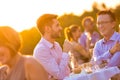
(89, 36)
(19, 67)
(48, 52)
(78, 54)
(107, 49)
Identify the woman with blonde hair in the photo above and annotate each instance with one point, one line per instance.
(78, 54)
(19, 67)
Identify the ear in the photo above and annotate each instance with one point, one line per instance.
(47, 28)
(114, 24)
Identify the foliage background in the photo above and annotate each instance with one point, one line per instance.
(32, 36)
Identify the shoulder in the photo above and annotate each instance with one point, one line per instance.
(40, 49)
(99, 42)
(40, 45)
(117, 35)
(31, 63)
(83, 34)
(34, 70)
(30, 60)
(83, 37)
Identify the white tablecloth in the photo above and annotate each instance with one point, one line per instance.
(102, 74)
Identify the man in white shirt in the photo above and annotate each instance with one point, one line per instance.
(48, 52)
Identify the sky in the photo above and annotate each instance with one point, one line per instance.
(22, 14)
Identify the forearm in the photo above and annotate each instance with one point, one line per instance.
(115, 60)
(78, 47)
(104, 56)
(99, 56)
(83, 52)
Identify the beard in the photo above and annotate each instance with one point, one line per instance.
(56, 35)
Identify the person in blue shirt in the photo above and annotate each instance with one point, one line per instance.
(108, 48)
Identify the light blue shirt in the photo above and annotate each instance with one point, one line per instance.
(102, 47)
(94, 38)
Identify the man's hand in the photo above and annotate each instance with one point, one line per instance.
(115, 48)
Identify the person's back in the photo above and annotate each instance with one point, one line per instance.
(18, 72)
(19, 67)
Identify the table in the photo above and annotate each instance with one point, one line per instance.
(102, 74)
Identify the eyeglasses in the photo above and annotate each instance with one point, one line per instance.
(103, 22)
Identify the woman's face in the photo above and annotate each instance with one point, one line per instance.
(4, 55)
(77, 33)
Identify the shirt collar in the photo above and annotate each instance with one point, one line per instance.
(94, 32)
(113, 37)
(47, 43)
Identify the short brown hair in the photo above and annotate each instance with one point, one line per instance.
(45, 19)
(111, 14)
(87, 18)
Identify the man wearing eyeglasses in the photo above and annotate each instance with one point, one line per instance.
(108, 48)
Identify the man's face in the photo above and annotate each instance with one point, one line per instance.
(105, 24)
(89, 25)
(56, 29)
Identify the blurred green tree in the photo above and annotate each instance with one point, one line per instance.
(29, 40)
(32, 36)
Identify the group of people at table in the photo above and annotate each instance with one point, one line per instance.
(49, 60)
